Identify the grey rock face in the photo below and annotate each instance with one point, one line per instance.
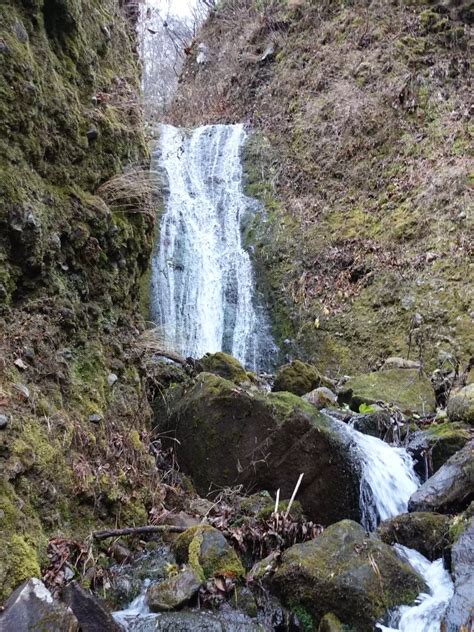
(31, 607)
(451, 489)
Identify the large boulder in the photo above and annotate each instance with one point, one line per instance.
(346, 572)
(427, 533)
(297, 378)
(460, 611)
(228, 435)
(31, 608)
(404, 388)
(451, 489)
(208, 552)
(91, 614)
(461, 405)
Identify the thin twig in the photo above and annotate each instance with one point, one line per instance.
(113, 533)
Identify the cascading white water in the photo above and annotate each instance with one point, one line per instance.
(387, 477)
(202, 279)
(427, 614)
(387, 482)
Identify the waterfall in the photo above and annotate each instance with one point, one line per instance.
(388, 477)
(203, 295)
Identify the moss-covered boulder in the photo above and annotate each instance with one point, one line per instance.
(347, 572)
(208, 553)
(224, 365)
(297, 377)
(229, 435)
(427, 533)
(173, 592)
(451, 489)
(405, 388)
(461, 405)
(431, 448)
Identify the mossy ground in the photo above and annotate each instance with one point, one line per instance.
(75, 453)
(361, 161)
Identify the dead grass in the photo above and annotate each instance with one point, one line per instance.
(134, 191)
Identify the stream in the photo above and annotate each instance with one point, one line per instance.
(204, 299)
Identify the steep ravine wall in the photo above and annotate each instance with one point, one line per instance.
(361, 156)
(73, 414)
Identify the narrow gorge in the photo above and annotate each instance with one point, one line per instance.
(236, 326)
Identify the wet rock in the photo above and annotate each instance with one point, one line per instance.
(91, 614)
(173, 592)
(297, 378)
(404, 388)
(120, 552)
(190, 620)
(427, 533)
(224, 365)
(208, 552)
(461, 405)
(431, 448)
(460, 611)
(451, 489)
(127, 579)
(321, 397)
(228, 435)
(376, 424)
(32, 607)
(346, 572)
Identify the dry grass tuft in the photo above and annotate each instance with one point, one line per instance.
(134, 191)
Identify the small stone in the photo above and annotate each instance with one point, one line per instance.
(20, 364)
(119, 552)
(461, 405)
(321, 397)
(20, 32)
(92, 134)
(112, 378)
(95, 419)
(3, 422)
(400, 363)
(173, 592)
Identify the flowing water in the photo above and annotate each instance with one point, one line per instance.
(427, 614)
(387, 482)
(388, 479)
(203, 288)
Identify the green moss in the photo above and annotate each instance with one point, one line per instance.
(207, 551)
(305, 618)
(225, 366)
(297, 377)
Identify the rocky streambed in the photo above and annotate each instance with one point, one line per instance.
(380, 535)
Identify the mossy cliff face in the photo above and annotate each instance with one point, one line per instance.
(361, 160)
(74, 443)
